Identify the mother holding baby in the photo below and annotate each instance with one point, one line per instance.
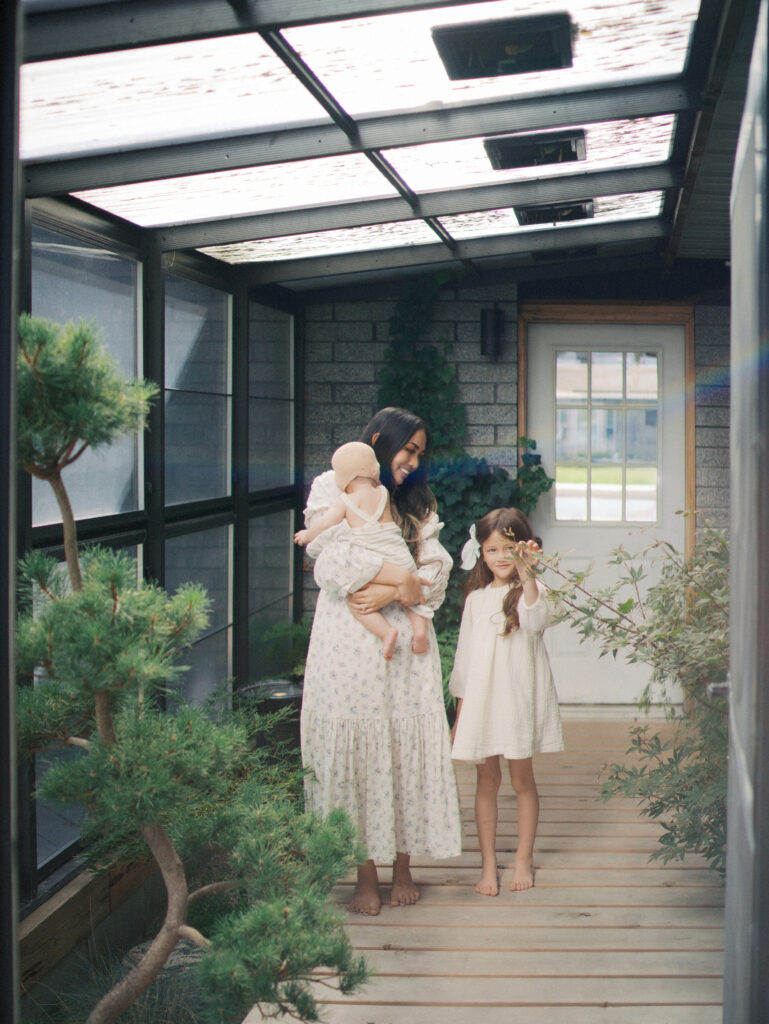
(374, 731)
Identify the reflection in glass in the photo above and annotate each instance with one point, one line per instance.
(606, 494)
(606, 440)
(58, 825)
(270, 591)
(73, 280)
(571, 377)
(270, 353)
(270, 444)
(197, 446)
(571, 436)
(642, 383)
(606, 376)
(208, 667)
(196, 334)
(641, 435)
(641, 494)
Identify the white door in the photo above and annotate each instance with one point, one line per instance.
(606, 406)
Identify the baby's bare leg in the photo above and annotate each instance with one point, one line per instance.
(489, 777)
(377, 624)
(419, 630)
(522, 778)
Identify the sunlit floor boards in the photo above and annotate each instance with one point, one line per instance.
(604, 936)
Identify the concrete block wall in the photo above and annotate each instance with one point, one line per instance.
(344, 351)
(711, 364)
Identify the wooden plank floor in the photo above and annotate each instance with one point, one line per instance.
(604, 936)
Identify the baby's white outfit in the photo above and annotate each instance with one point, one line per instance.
(384, 539)
(509, 701)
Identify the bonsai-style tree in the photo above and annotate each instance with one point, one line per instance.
(187, 786)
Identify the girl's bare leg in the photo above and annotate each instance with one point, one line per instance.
(419, 630)
(377, 624)
(522, 778)
(489, 777)
(365, 897)
(404, 892)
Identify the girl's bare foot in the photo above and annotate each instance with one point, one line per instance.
(365, 897)
(388, 643)
(419, 643)
(523, 875)
(489, 882)
(404, 893)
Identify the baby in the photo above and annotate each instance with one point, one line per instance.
(365, 504)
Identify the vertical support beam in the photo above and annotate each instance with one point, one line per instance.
(299, 478)
(153, 287)
(240, 343)
(10, 233)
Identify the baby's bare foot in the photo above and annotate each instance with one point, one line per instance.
(489, 882)
(388, 643)
(419, 643)
(404, 893)
(365, 897)
(523, 875)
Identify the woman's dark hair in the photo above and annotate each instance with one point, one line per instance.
(413, 500)
(512, 523)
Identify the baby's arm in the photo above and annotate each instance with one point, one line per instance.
(332, 517)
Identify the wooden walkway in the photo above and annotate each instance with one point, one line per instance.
(604, 936)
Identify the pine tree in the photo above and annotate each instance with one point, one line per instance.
(190, 787)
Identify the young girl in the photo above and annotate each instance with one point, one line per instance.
(507, 701)
(365, 505)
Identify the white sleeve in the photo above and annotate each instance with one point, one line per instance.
(461, 669)
(536, 617)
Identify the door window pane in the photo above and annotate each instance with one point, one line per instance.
(74, 280)
(606, 494)
(198, 390)
(606, 376)
(571, 376)
(642, 379)
(641, 494)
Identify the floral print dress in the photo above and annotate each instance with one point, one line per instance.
(374, 732)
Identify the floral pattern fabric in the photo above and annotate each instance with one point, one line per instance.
(374, 732)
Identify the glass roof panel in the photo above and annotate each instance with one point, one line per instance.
(463, 163)
(327, 243)
(390, 62)
(156, 93)
(238, 193)
(503, 222)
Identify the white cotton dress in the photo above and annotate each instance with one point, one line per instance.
(509, 701)
(374, 732)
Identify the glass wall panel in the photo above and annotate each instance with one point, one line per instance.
(271, 398)
(198, 391)
(205, 557)
(74, 280)
(270, 597)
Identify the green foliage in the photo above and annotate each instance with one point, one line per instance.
(285, 646)
(680, 628)
(71, 395)
(447, 645)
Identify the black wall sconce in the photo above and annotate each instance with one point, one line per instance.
(492, 332)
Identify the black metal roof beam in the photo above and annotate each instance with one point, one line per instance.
(646, 98)
(445, 203)
(565, 236)
(51, 33)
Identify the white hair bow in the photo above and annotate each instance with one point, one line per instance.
(470, 551)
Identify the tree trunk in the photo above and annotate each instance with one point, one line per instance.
(137, 981)
(70, 532)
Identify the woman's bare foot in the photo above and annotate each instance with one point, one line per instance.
(365, 897)
(419, 643)
(489, 882)
(404, 893)
(389, 641)
(523, 875)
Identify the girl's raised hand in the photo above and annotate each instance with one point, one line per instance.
(527, 554)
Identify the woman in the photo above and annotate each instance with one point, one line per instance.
(374, 732)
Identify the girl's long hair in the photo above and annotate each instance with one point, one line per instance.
(510, 522)
(413, 501)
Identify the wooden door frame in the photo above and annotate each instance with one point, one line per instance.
(619, 313)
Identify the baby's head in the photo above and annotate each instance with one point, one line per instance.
(352, 460)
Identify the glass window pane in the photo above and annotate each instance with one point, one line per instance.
(58, 825)
(208, 667)
(571, 436)
(203, 557)
(606, 440)
(73, 280)
(197, 329)
(270, 353)
(642, 382)
(641, 435)
(270, 444)
(270, 593)
(641, 494)
(571, 492)
(571, 377)
(606, 494)
(606, 376)
(197, 460)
